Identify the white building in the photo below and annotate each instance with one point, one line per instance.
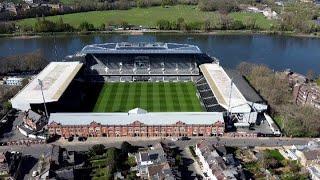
(13, 81)
(314, 172)
(213, 165)
(244, 104)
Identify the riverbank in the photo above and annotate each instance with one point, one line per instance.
(176, 32)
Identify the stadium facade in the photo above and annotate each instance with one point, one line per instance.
(221, 93)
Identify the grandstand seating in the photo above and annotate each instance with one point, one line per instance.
(153, 64)
(208, 99)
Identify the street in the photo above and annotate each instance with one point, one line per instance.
(37, 149)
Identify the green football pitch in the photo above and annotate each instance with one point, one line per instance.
(153, 97)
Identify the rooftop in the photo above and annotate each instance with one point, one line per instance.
(55, 79)
(154, 118)
(247, 91)
(140, 48)
(224, 88)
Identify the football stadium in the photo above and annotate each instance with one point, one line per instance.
(142, 89)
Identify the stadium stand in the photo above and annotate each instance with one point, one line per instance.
(171, 61)
(207, 97)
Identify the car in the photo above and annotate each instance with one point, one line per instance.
(81, 138)
(70, 138)
(174, 139)
(184, 138)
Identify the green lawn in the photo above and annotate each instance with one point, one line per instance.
(153, 97)
(147, 16)
(275, 154)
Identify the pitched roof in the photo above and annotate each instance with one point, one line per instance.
(150, 118)
(137, 111)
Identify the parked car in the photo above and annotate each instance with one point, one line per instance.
(184, 138)
(70, 138)
(82, 138)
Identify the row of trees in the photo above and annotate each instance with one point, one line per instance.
(224, 22)
(22, 63)
(222, 6)
(6, 28)
(44, 25)
(294, 120)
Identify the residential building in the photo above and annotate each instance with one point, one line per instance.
(13, 81)
(314, 172)
(34, 120)
(152, 164)
(294, 78)
(10, 165)
(215, 166)
(307, 155)
(307, 94)
(4, 168)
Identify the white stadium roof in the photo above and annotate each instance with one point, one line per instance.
(55, 78)
(221, 86)
(157, 118)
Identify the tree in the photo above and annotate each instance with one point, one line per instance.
(85, 26)
(250, 22)
(124, 24)
(206, 25)
(126, 147)
(143, 3)
(181, 25)
(222, 6)
(163, 24)
(97, 149)
(310, 74)
(167, 3)
(7, 106)
(131, 161)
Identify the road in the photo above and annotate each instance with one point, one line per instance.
(37, 150)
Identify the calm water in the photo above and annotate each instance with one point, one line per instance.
(278, 52)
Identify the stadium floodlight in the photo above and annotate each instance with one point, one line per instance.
(230, 96)
(44, 101)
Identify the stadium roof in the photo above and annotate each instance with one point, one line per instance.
(221, 86)
(55, 78)
(247, 91)
(140, 48)
(158, 118)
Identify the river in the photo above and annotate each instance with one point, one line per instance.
(278, 52)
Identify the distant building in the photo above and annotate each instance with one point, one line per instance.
(295, 78)
(28, 1)
(13, 81)
(307, 94)
(267, 12)
(152, 164)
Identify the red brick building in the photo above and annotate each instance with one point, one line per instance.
(34, 120)
(307, 94)
(148, 125)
